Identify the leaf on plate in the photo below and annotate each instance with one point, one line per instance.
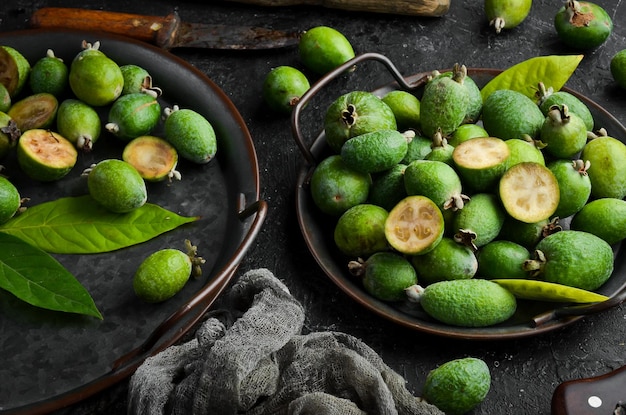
(79, 225)
(554, 71)
(35, 277)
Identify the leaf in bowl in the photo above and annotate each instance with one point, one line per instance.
(553, 71)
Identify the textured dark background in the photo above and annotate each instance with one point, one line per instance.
(526, 371)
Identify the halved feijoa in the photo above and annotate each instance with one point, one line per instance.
(34, 111)
(154, 158)
(45, 155)
(414, 226)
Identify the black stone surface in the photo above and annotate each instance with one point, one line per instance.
(526, 371)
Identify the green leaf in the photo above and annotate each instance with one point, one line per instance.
(38, 279)
(554, 71)
(79, 225)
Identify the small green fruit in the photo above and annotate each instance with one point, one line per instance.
(323, 48)
(564, 133)
(605, 218)
(406, 108)
(133, 115)
(191, 134)
(607, 169)
(449, 260)
(386, 275)
(79, 123)
(582, 25)
(360, 231)
(10, 200)
(95, 78)
(116, 185)
(618, 68)
(573, 182)
(283, 87)
(511, 114)
(374, 152)
(506, 14)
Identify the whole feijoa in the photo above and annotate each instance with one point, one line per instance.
(510, 114)
(574, 185)
(618, 68)
(386, 275)
(607, 169)
(360, 231)
(563, 133)
(95, 78)
(164, 273)
(191, 134)
(444, 104)
(506, 14)
(458, 386)
(324, 48)
(49, 74)
(10, 200)
(79, 123)
(353, 114)
(548, 98)
(133, 115)
(136, 79)
(15, 69)
(283, 87)
(374, 152)
(406, 108)
(116, 185)
(605, 218)
(582, 25)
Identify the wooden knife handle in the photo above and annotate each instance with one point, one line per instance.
(153, 29)
(433, 8)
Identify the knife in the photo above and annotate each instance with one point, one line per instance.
(166, 32)
(604, 394)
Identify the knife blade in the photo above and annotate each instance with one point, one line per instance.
(604, 394)
(166, 32)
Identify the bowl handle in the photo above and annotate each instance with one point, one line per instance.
(580, 310)
(196, 308)
(324, 80)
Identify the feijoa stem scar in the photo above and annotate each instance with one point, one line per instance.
(196, 261)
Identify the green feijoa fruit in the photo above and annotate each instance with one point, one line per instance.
(34, 111)
(506, 14)
(523, 150)
(191, 134)
(563, 133)
(10, 200)
(449, 260)
(374, 152)
(360, 231)
(440, 150)
(605, 218)
(44, 155)
(164, 273)
(136, 79)
(458, 386)
(573, 182)
(283, 87)
(388, 187)
(511, 114)
(49, 74)
(618, 68)
(573, 258)
(468, 303)
(5, 99)
(154, 158)
(353, 114)
(475, 102)
(481, 162)
(9, 134)
(414, 226)
(444, 103)
(417, 149)
(386, 275)
(527, 234)
(405, 107)
(582, 25)
(15, 70)
(466, 132)
(95, 78)
(548, 98)
(116, 185)
(335, 187)
(607, 169)
(529, 192)
(502, 259)
(480, 220)
(133, 115)
(79, 123)
(322, 49)
(437, 181)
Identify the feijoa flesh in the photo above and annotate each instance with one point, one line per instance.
(154, 158)
(44, 155)
(35, 111)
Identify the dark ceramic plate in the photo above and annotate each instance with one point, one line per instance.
(531, 318)
(50, 359)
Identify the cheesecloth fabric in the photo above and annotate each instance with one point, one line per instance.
(262, 364)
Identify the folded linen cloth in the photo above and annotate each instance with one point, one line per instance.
(262, 364)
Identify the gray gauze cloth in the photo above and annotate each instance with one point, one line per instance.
(263, 364)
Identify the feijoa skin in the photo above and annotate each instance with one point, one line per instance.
(322, 49)
(5, 98)
(10, 200)
(79, 123)
(360, 231)
(15, 59)
(605, 218)
(117, 186)
(283, 87)
(374, 152)
(573, 182)
(49, 74)
(563, 133)
(548, 98)
(618, 68)
(133, 115)
(386, 275)
(95, 78)
(353, 114)
(9, 134)
(511, 114)
(449, 260)
(506, 14)
(35, 111)
(582, 25)
(191, 134)
(607, 169)
(480, 220)
(444, 104)
(387, 188)
(136, 79)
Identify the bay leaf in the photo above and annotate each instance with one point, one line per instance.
(553, 70)
(79, 225)
(35, 277)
